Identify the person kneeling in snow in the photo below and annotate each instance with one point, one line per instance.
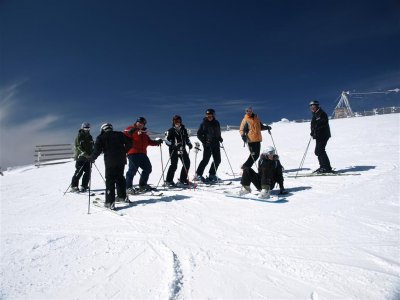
(269, 173)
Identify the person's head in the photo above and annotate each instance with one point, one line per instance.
(177, 121)
(141, 122)
(85, 126)
(210, 114)
(249, 111)
(269, 152)
(314, 105)
(106, 127)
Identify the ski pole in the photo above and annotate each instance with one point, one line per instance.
(273, 142)
(99, 172)
(90, 184)
(162, 165)
(163, 169)
(303, 159)
(233, 174)
(196, 150)
(74, 176)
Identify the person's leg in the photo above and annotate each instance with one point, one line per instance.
(172, 168)
(185, 167)
(110, 184)
(216, 156)
(132, 169)
(204, 161)
(145, 164)
(251, 159)
(86, 175)
(322, 155)
(120, 182)
(79, 166)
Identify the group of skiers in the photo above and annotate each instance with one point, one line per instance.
(132, 143)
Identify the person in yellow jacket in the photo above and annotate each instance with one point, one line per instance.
(250, 131)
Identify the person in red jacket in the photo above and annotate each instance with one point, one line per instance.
(137, 154)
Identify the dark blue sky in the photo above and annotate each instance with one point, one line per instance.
(97, 61)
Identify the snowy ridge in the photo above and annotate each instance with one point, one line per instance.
(335, 237)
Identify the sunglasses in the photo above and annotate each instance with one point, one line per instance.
(249, 111)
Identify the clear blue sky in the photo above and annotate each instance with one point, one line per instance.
(69, 61)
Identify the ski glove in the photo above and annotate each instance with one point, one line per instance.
(244, 138)
(190, 146)
(159, 142)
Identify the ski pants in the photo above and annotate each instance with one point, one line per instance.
(136, 161)
(184, 157)
(115, 178)
(82, 167)
(320, 152)
(254, 149)
(208, 151)
(266, 176)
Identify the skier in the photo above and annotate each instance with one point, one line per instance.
(137, 154)
(115, 145)
(320, 131)
(209, 133)
(250, 131)
(177, 138)
(83, 149)
(269, 173)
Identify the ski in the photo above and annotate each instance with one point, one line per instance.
(253, 197)
(150, 192)
(85, 193)
(216, 183)
(179, 187)
(322, 174)
(100, 204)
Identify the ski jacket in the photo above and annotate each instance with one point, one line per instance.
(209, 132)
(320, 129)
(271, 171)
(251, 127)
(178, 137)
(83, 145)
(114, 145)
(140, 139)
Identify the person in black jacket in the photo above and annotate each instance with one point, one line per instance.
(177, 139)
(270, 172)
(209, 134)
(321, 132)
(83, 149)
(115, 145)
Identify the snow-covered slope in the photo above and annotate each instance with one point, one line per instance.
(334, 237)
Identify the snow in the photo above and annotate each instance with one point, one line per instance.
(334, 238)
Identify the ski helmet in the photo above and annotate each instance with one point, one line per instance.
(210, 111)
(269, 151)
(85, 125)
(141, 120)
(176, 119)
(314, 102)
(106, 127)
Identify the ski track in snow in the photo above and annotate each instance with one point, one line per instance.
(337, 237)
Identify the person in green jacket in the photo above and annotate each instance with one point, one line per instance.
(83, 149)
